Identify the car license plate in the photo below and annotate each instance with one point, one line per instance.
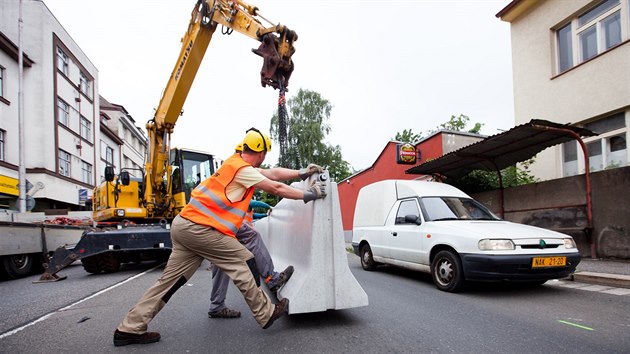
(542, 262)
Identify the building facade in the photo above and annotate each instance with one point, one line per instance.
(131, 151)
(68, 139)
(571, 65)
(391, 164)
(60, 109)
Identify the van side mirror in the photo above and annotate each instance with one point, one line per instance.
(109, 173)
(413, 219)
(124, 178)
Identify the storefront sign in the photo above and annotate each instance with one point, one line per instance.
(406, 154)
(9, 185)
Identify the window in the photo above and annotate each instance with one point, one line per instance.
(86, 128)
(109, 155)
(569, 158)
(63, 111)
(64, 163)
(86, 172)
(407, 207)
(84, 84)
(2, 140)
(609, 149)
(596, 31)
(62, 61)
(1, 81)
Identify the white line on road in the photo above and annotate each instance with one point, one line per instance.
(46, 316)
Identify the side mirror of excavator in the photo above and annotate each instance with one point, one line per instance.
(124, 178)
(109, 173)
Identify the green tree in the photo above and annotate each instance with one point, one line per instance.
(407, 136)
(459, 123)
(307, 128)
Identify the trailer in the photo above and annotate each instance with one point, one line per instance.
(25, 246)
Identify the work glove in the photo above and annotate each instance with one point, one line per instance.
(317, 190)
(309, 170)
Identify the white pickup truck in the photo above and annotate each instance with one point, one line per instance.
(435, 227)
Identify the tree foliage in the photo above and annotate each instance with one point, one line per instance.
(307, 129)
(408, 136)
(459, 123)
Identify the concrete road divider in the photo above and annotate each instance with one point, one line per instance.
(310, 237)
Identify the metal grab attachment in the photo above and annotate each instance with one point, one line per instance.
(276, 70)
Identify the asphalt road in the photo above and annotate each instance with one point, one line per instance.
(406, 314)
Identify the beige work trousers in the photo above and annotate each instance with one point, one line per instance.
(191, 244)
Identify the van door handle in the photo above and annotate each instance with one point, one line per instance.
(394, 233)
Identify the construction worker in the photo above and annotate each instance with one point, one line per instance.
(207, 227)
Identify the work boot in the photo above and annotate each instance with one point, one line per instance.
(224, 313)
(281, 308)
(124, 338)
(282, 279)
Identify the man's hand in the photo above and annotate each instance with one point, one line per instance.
(317, 190)
(309, 170)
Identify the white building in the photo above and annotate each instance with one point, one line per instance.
(66, 149)
(571, 64)
(116, 119)
(60, 110)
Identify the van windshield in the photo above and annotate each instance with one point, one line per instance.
(453, 208)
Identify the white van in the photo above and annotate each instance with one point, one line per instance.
(437, 228)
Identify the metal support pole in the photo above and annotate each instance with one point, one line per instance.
(22, 154)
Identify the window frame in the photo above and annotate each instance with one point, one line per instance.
(577, 29)
(86, 172)
(2, 69)
(2, 144)
(63, 113)
(65, 163)
(85, 130)
(84, 83)
(63, 61)
(109, 155)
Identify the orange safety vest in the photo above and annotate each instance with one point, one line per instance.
(249, 217)
(209, 204)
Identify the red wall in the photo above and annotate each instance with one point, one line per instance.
(385, 167)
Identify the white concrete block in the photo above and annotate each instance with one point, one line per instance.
(310, 237)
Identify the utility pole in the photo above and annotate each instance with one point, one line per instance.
(21, 151)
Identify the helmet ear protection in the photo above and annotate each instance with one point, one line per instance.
(257, 141)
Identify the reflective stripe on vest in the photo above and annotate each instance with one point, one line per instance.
(209, 204)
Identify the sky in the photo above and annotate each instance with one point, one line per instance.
(385, 66)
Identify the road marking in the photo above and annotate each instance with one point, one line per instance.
(46, 316)
(589, 287)
(576, 325)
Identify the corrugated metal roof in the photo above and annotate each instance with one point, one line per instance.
(501, 150)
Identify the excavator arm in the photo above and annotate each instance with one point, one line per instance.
(276, 49)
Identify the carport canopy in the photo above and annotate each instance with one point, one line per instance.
(502, 150)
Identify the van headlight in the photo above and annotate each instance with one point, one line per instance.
(569, 243)
(495, 245)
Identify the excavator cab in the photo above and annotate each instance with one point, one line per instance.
(190, 167)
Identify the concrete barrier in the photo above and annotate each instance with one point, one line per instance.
(310, 237)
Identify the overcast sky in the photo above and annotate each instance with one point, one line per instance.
(384, 65)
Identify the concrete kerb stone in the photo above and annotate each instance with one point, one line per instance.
(616, 280)
(310, 237)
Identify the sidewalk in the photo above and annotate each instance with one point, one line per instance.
(603, 272)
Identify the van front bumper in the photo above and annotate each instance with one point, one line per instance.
(479, 267)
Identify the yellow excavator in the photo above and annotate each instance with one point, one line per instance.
(134, 214)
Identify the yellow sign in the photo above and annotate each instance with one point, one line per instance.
(9, 185)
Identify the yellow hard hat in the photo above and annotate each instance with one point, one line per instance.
(239, 147)
(257, 141)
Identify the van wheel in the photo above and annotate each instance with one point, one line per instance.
(367, 259)
(447, 271)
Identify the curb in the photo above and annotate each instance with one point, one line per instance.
(616, 280)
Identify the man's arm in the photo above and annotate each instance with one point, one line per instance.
(315, 191)
(279, 174)
(279, 189)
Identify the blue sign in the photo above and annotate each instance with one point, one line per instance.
(82, 196)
